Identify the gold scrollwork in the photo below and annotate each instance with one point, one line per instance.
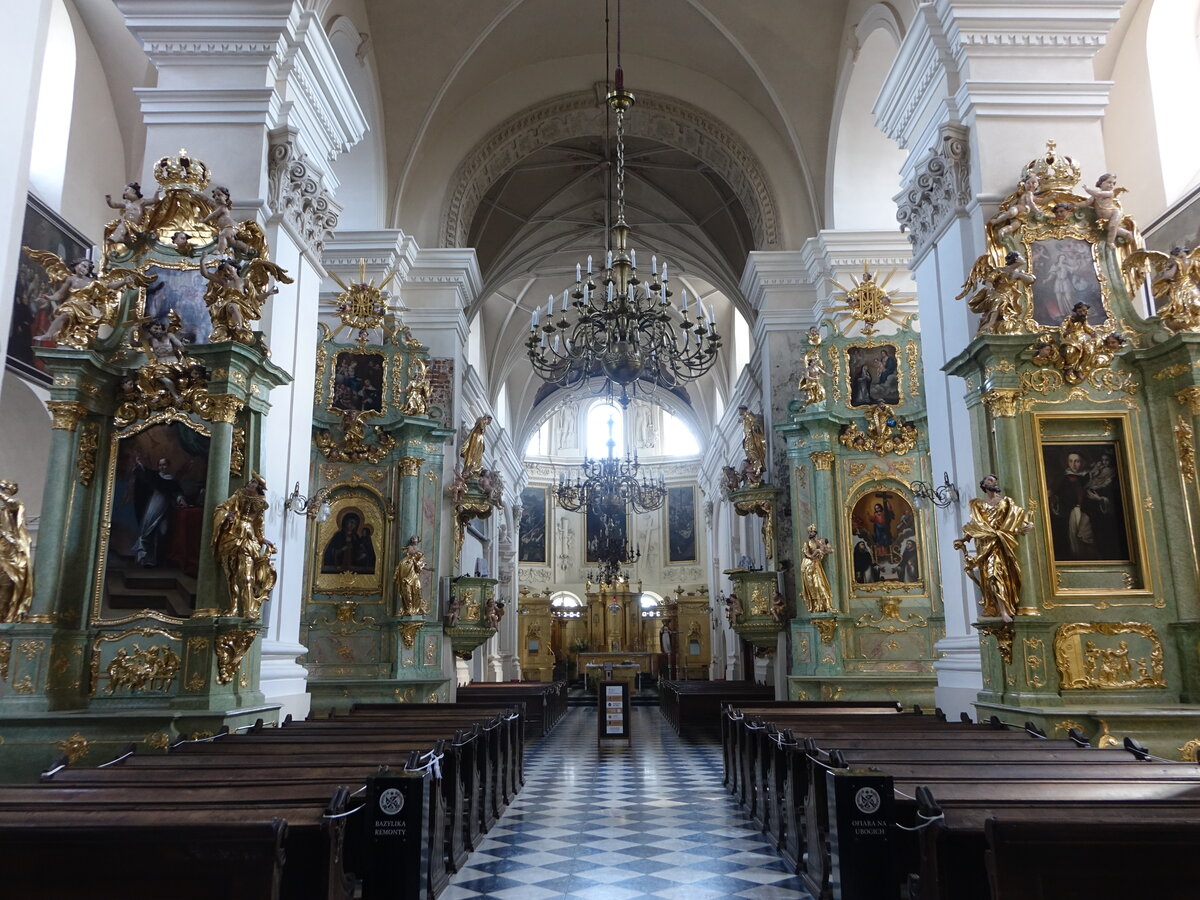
(322, 358)
(1171, 371)
(889, 621)
(30, 649)
(1003, 403)
(5, 655)
(408, 633)
(237, 452)
(1189, 751)
(195, 683)
(1003, 633)
(1085, 664)
(74, 747)
(151, 669)
(913, 355)
(89, 442)
(827, 628)
(66, 414)
(856, 469)
(430, 652)
(1035, 661)
(822, 460)
(1189, 397)
(885, 433)
(835, 370)
(157, 740)
(1186, 448)
(353, 448)
(231, 647)
(1065, 725)
(23, 685)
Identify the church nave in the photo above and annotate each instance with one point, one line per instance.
(620, 823)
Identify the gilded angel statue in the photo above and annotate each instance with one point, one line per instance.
(998, 301)
(1174, 284)
(1109, 217)
(241, 549)
(235, 297)
(1020, 208)
(83, 301)
(811, 388)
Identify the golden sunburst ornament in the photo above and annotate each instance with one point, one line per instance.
(867, 301)
(362, 305)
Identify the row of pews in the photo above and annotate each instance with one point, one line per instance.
(869, 802)
(378, 803)
(544, 702)
(695, 706)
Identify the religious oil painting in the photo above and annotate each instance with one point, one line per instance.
(681, 524)
(1066, 275)
(874, 374)
(607, 533)
(181, 290)
(883, 539)
(32, 313)
(1086, 501)
(532, 546)
(350, 544)
(156, 478)
(358, 382)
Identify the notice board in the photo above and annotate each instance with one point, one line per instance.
(613, 715)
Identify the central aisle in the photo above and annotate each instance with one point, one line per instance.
(618, 823)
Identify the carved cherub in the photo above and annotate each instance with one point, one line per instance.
(999, 301)
(133, 206)
(733, 609)
(1022, 208)
(1174, 285)
(83, 301)
(236, 296)
(221, 218)
(1108, 208)
(731, 478)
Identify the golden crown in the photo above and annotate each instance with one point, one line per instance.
(1055, 172)
(181, 171)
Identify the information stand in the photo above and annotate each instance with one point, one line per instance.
(612, 716)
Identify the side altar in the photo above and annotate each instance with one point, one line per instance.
(141, 617)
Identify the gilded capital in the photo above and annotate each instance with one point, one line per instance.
(410, 466)
(1003, 403)
(823, 460)
(223, 408)
(1189, 397)
(66, 413)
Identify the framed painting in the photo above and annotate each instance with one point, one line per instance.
(359, 382)
(874, 374)
(1066, 274)
(884, 544)
(181, 290)
(155, 513)
(681, 524)
(1086, 501)
(532, 535)
(349, 545)
(43, 229)
(604, 532)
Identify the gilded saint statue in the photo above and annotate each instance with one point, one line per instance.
(471, 451)
(811, 387)
(16, 558)
(814, 584)
(242, 550)
(408, 579)
(997, 523)
(419, 392)
(755, 447)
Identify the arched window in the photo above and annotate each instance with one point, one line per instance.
(566, 605)
(596, 439)
(651, 604)
(678, 438)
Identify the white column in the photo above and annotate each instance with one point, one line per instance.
(26, 44)
(977, 88)
(253, 88)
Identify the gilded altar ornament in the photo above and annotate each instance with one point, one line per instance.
(82, 300)
(131, 223)
(1003, 292)
(1003, 633)
(1078, 350)
(1109, 217)
(353, 447)
(16, 556)
(151, 669)
(754, 465)
(236, 296)
(242, 550)
(231, 647)
(867, 300)
(1020, 208)
(408, 579)
(1174, 284)
(1085, 661)
(811, 387)
(89, 443)
(471, 451)
(888, 621)
(419, 391)
(362, 305)
(823, 460)
(885, 434)
(997, 523)
(1003, 403)
(409, 632)
(1186, 449)
(814, 583)
(827, 629)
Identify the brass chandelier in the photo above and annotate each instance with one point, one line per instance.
(609, 486)
(614, 323)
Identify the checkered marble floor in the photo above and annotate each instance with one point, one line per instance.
(619, 823)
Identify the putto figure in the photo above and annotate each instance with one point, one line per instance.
(1108, 208)
(242, 550)
(235, 297)
(82, 300)
(133, 207)
(997, 523)
(16, 556)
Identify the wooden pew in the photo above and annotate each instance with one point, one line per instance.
(545, 702)
(696, 705)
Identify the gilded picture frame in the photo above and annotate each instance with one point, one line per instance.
(1044, 244)
(349, 548)
(883, 540)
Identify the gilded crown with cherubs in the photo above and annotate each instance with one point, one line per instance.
(1055, 171)
(181, 172)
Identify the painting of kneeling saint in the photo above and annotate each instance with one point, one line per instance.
(352, 546)
(883, 539)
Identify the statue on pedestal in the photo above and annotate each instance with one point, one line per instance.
(242, 550)
(814, 583)
(408, 579)
(754, 444)
(16, 556)
(997, 522)
(471, 451)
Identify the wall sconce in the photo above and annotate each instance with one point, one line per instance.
(941, 497)
(314, 507)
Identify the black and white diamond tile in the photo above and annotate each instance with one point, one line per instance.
(623, 823)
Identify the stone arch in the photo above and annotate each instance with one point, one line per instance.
(656, 117)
